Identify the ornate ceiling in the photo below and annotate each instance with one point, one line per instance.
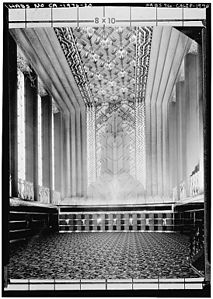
(110, 65)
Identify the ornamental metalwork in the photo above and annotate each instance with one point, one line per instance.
(25, 190)
(143, 49)
(44, 194)
(69, 46)
(124, 110)
(103, 61)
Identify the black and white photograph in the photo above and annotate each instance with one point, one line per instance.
(106, 127)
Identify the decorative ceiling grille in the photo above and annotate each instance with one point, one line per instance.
(109, 64)
(110, 67)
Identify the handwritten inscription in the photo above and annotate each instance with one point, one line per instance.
(68, 5)
(47, 5)
(104, 20)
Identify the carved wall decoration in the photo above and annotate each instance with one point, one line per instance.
(110, 66)
(103, 61)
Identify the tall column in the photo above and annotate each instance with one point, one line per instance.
(178, 140)
(192, 112)
(12, 96)
(68, 156)
(159, 152)
(154, 149)
(148, 151)
(165, 149)
(183, 119)
(46, 127)
(84, 152)
(31, 113)
(78, 153)
(73, 156)
(58, 151)
(62, 179)
(172, 145)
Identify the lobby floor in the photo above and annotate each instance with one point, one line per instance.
(102, 255)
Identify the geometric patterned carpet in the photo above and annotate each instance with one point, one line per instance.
(102, 256)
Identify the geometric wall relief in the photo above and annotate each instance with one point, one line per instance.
(115, 182)
(126, 112)
(110, 66)
(144, 39)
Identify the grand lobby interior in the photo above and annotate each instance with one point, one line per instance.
(104, 161)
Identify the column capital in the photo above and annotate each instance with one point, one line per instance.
(22, 62)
